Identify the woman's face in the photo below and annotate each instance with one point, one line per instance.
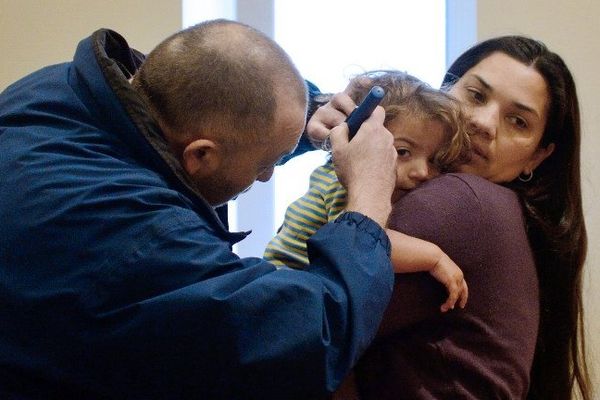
(506, 104)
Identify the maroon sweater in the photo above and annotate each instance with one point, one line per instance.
(484, 351)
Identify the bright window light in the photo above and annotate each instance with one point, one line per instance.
(331, 41)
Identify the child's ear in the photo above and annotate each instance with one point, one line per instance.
(201, 158)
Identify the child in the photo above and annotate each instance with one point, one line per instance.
(430, 138)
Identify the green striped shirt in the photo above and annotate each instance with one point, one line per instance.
(324, 201)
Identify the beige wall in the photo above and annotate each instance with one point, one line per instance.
(35, 33)
(572, 29)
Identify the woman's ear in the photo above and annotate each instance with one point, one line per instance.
(201, 158)
(540, 155)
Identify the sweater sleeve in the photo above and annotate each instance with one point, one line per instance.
(445, 211)
(315, 100)
(485, 350)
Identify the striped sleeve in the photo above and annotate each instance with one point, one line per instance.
(324, 201)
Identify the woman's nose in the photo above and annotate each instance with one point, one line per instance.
(485, 120)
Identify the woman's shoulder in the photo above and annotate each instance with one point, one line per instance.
(474, 184)
(467, 189)
(460, 200)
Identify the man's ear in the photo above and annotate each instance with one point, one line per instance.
(201, 158)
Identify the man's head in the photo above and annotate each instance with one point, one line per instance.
(229, 101)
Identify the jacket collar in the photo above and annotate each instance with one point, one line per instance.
(117, 62)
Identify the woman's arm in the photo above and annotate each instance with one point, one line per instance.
(444, 211)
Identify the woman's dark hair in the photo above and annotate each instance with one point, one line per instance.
(556, 228)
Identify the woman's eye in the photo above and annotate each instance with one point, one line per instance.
(476, 95)
(403, 153)
(519, 122)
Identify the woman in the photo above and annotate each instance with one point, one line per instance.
(551, 200)
(518, 337)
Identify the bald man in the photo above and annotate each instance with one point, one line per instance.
(117, 278)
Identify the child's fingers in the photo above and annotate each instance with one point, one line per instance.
(453, 296)
(457, 292)
(464, 295)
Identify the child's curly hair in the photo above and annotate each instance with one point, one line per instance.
(406, 95)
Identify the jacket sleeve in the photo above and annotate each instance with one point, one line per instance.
(186, 317)
(314, 102)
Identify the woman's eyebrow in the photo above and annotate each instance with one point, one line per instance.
(517, 104)
(483, 82)
(526, 108)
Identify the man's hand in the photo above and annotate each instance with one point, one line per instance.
(366, 166)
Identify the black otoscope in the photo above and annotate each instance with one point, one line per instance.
(364, 110)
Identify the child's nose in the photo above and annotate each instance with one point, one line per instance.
(420, 171)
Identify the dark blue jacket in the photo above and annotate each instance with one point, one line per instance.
(117, 280)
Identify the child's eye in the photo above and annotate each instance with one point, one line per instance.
(403, 153)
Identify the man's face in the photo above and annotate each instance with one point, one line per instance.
(255, 161)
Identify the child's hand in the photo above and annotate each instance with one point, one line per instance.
(451, 276)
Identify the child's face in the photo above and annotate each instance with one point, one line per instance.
(417, 142)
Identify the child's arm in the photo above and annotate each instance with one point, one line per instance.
(410, 254)
(303, 218)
